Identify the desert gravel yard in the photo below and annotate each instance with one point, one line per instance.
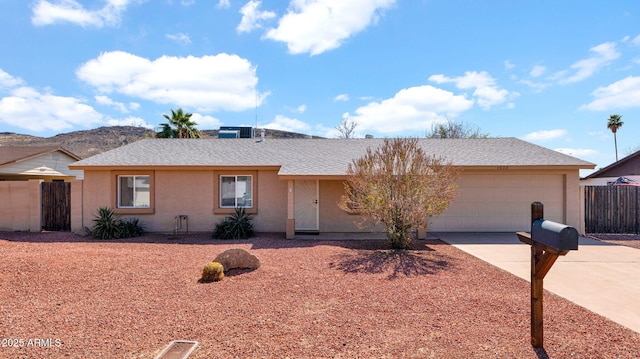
(65, 296)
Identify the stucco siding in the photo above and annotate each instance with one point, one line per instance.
(334, 219)
(272, 203)
(181, 193)
(20, 205)
(188, 193)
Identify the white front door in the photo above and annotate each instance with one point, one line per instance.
(305, 202)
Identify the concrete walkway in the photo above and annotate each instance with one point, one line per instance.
(601, 277)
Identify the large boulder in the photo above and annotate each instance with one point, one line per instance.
(237, 258)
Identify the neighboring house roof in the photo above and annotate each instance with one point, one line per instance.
(319, 157)
(627, 166)
(13, 154)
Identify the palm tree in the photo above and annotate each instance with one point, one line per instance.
(166, 131)
(614, 124)
(179, 126)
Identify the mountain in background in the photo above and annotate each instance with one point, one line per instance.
(91, 142)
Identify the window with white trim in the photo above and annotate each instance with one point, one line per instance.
(236, 191)
(134, 191)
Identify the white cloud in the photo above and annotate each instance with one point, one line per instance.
(223, 4)
(316, 26)
(7, 81)
(577, 152)
(342, 97)
(35, 111)
(537, 71)
(208, 83)
(621, 94)
(47, 13)
(205, 122)
(187, 2)
(486, 93)
(180, 38)
(535, 86)
(252, 16)
(106, 100)
(129, 121)
(601, 135)
(636, 40)
(287, 124)
(414, 108)
(301, 108)
(508, 65)
(545, 135)
(602, 55)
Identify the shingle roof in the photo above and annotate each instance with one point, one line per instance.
(617, 166)
(319, 156)
(13, 154)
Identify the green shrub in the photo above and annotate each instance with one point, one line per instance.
(212, 272)
(109, 225)
(236, 226)
(132, 228)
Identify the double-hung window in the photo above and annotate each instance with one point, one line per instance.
(134, 191)
(236, 191)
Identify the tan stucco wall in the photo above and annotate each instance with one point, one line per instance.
(514, 190)
(189, 193)
(76, 205)
(334, 219)
(20, 205)
(192, 193)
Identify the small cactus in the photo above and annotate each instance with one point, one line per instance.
(212, 272)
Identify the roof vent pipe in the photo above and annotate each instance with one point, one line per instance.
(262, 132)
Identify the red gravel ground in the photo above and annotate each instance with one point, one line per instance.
(64, 296)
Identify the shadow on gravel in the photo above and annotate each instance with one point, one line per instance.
(396, 263)
(260, 241)
(541, 353)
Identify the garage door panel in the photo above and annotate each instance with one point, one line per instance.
(510, 210)
(501, 202)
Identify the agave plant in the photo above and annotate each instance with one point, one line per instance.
(236, 226)
(109, 225)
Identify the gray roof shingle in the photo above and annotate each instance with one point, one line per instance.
(319, 156)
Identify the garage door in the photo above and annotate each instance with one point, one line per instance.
(493, 203)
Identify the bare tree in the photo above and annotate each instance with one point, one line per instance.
(347, 128)
(400, 186)
(452, 129)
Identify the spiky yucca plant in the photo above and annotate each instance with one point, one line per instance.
(109, 225)
(236, 226)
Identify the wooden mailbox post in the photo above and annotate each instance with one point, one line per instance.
(548, 240)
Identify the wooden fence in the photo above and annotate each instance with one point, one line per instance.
(612, 209)
(56, 206)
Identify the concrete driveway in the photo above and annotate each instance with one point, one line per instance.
(601, 277)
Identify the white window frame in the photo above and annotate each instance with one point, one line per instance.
(135, 193)
(236, 204)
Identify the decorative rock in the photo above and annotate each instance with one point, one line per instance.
(237, 258)
(83, 232)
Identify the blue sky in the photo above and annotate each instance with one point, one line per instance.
(549, 72)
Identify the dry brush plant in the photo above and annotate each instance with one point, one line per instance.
(400, 186)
